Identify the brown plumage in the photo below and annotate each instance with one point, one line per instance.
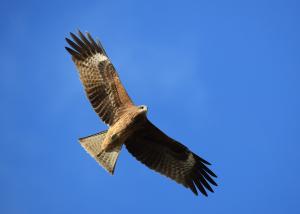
(128, 124)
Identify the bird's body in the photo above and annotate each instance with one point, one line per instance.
(128, 124)
(123, 128)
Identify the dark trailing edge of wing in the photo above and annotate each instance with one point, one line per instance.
(83, 47)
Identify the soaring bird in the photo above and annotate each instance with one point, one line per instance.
(128, 124)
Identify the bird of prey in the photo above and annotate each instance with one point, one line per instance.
(128, 123)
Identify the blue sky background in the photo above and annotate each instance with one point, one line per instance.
(222, 77)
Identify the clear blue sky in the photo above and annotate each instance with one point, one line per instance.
(222, 77)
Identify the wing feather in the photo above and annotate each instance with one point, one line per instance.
(156, 150)
(99, 77)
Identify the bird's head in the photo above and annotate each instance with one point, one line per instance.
(143, 108)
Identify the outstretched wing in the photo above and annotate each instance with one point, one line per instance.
(161, 153)
(99, 77)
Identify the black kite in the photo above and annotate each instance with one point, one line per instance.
(128, 124)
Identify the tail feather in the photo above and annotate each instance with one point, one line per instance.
(92, 144)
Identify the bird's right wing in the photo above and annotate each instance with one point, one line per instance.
(99, 77)
(163, 154)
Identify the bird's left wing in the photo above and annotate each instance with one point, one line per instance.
(163, 154)
(99, 77)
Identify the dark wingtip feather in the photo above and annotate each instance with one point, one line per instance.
(205, 168)
(73, 35)
(202, 177)
(101, 47)
(91, 48)
(83, 46)
(201, 159)
(73, 53)
(92, 41)
(80, 43)
(192, 187)
(205, 184)
(207, 177)
(200, 187)
(74, 45)
(80, 35)
(211, 173)
(204, 161)
(213, 182)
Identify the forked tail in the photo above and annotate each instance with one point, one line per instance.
(92, 144)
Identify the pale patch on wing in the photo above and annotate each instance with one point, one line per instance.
(100, 57)
(94, 60)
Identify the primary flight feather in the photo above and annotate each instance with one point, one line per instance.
(128, 123)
